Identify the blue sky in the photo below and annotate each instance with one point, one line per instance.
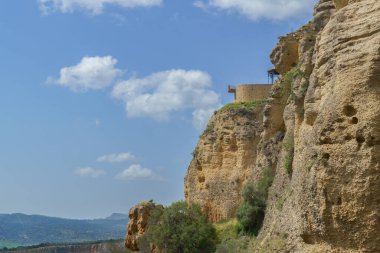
(102, 102)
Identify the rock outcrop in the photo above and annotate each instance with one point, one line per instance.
(224, 160)
(138, 224)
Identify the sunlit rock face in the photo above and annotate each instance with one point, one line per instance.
(223, 161)
(319, 131)
(330, 201)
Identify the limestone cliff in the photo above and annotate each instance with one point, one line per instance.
(224, 160)
(329, 199)
(138, 225)
(319, 131)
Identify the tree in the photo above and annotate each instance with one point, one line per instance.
(181, 229)
(251, 212)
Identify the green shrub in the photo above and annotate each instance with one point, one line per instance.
(287, 86)
(239, 245)
(195, 152)
(209, 129)
(265, 182)
(251, 212)
(280, 202)
(251, 216)
(226, 230)
(241, 105)
(288, 163)
(292, 74)
(181, 229)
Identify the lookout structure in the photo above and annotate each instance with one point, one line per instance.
(250, 92)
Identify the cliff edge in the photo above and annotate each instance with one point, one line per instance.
(224, 160)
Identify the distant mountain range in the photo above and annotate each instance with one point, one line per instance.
(109, 246)
(22, 230)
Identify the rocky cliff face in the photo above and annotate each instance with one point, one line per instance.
(329, 201)
(138, 225)
(320, 134)
(224, 160)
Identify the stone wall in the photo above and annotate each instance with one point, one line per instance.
(250, 92)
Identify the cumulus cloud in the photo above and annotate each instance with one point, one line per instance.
(89, 172)
(135, 172)
(90, 73)
(116, 158)
(162, 93)
(93, 6)
(258, 9)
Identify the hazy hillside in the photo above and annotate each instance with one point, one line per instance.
(109, 246)
(21, 229)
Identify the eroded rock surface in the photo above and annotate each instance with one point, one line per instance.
(224, 161)
(320, 134)
(339, 4)
(138, 224)
(329, 202)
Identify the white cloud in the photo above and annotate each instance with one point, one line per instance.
(163, 93)
(91, 73)
(201, 117)
(116, 158)
(258, 9)
(93, 6)
(135, 172)
(89, 172)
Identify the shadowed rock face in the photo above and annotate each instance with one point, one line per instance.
(223, 162)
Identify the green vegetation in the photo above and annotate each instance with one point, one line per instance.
(146, 203)
(277, 244)
(180, 229)
(280, 202)
(116, 248)
(288, 163)
(251, 212)
(227, 230)
(289, 77)
(209, 129)
(195, 151)
(241, 105)
(231, 107)
(292, 74)
(238, 245)
(229, 238)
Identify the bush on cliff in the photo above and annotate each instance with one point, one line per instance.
(181, 229)
(251, 212)
(241, 105)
